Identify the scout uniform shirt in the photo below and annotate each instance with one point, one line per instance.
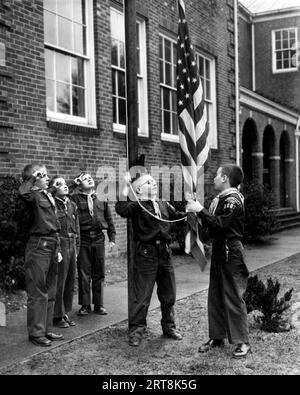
(44, 218)
(67, 213)
(147, 229)
(94, 217)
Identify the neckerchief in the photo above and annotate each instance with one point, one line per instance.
(215, 202)
(156, 208)
(90, 201)
(64, 201)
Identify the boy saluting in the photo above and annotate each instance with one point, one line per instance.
(153, 262)
(227, 312)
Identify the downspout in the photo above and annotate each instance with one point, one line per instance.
(297, 134)
(253, 56)
(237, 83)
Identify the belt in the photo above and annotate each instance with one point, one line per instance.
(92, 233)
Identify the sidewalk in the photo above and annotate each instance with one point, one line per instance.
(14, 344)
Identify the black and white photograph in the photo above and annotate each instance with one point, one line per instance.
(149, 190)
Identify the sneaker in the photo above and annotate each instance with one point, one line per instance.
(100, 310)
(241, 351)
(68, 321)
(85, 310)
(212, 343)
(174, 334)
(60, 323)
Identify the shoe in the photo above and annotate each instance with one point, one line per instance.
(54, 337)
(241, 350)
(60, 323)
(85, 310)
(212, 343)
(135, 341)
(40, 341)
(174, 334)
(100, 310)
(68, 321)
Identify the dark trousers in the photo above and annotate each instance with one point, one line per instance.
(66, 277)
(153, 263)
(227, 312)
(91, 268)
(41, 278)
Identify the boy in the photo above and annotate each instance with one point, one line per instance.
(69, 242)
(94, 217)
(42, 256)
(153, 262)
(227, 312)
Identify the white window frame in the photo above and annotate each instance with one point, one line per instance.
(89, 120)
(173, 138)
(143, 129)
(213, 133)
(274, 62)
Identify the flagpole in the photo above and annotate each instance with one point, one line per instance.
(132, 121)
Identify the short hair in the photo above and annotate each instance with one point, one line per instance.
(234, 173)
(30, 169)
(53, 179)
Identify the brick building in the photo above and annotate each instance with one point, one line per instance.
(269, 97)
(62, 79)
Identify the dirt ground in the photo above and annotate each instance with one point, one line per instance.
(107, 351)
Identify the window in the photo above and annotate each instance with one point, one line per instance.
(207, 72)
(285, 50)
(168, 88)
(69, 61)
(119, 74)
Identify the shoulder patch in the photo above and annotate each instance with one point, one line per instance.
(231, 203)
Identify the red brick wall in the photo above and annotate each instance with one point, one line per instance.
(245, 53)
(283, 88)
(25, 134)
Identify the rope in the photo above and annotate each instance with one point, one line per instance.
(152, 215)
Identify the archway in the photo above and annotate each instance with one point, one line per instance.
(269, 144)
(250, 146)
(285, 177)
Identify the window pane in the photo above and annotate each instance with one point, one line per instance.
(161, 66)
(278, 44)
(65, 33)
(114, 52)
(122, 112)
(50, 95)
(201, 66)
(121, 84)
(207, 69)
(278, 36)
(167, 50)
(285, 44)
(64, 7)
(77, 72)
(286, 64)
(63, 98)
(114, 73)
(50, 5)
(49, 64)
(138, 61)
(78, 11)
(174, 101)
(175, 124)
(122, 55)
(49, 28)
(166, 99)
(79, 39)
(167, 122)
(285, 34)
(115, 110)
(168, 74)
(161, 47)
(78, 102)
(208, 90)
(63, 68)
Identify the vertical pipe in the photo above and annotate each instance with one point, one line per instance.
(253, 57)
(132, 123)
(297, 166)
(237, 83)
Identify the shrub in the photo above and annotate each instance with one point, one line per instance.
(264, 298)
(260, 220)
(14, 219)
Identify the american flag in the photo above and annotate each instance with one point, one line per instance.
(192, 127)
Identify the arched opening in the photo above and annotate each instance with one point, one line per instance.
(269, 152)
(249, 145)
(285, 150)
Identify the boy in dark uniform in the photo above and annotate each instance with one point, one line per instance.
(94, 217)
(42, 255)
(69, 241)
(153, 262)
(227, 312)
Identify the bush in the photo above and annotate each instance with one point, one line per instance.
(14, 220)
(259, 297)
(260, 220)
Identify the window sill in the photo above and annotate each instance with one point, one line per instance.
(169, 138)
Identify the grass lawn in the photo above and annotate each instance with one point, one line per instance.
(107, 352)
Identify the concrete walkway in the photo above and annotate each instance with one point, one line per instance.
(14, 344)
